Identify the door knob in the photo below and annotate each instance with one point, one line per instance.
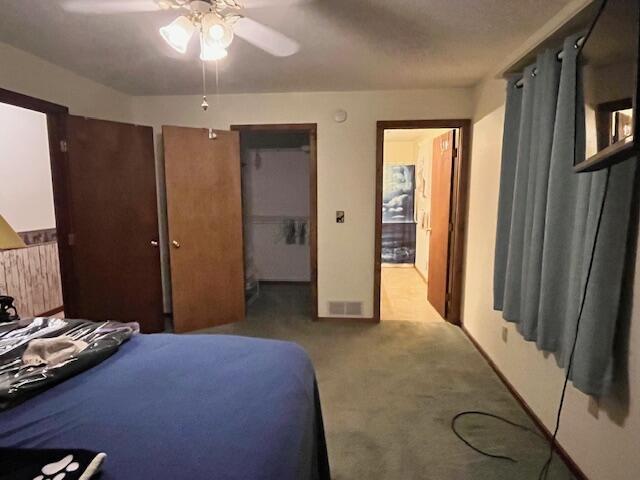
(175, 244)
(154, 243)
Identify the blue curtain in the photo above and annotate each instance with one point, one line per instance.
(547, 217)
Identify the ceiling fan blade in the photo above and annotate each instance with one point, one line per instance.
(265, 38)
(273, 3)
(109, 7)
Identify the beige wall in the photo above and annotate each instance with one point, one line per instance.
(346, 162)
(400, 152)
(26, 196)
(25, 73)
(603, 439)
(346, 152)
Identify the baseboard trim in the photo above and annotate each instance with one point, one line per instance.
(561, 452)
(426, 280)
(53, 311)
(347, 319)
(284, 282)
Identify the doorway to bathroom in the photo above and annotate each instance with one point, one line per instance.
(421, 171)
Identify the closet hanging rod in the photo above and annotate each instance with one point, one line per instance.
(274, 219)
(578, 44)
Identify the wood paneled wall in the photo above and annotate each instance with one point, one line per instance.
(32, 276)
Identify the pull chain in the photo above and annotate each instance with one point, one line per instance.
(204, 104)
(217, 86)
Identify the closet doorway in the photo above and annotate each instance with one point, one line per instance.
(279, 206)
(421, 172)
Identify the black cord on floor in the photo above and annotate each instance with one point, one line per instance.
(497, 417)
(544, 472)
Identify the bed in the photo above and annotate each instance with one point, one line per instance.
(185, 407)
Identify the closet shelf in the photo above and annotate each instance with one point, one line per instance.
(273, 219)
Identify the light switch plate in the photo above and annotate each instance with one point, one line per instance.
(339, 216)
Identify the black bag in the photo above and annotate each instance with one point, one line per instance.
(6, 307)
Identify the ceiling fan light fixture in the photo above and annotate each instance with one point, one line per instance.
(217, 30)
(178, 33)
(211, 51)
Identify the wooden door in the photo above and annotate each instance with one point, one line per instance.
(204, 206)
(439, 245)
(113, 223)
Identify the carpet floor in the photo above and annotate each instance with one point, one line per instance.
(390, 390)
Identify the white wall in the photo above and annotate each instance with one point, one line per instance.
(346, 162)
(399, 152)
(26, 195)
(275, 187)
(25, 73)
(346, 152)
(603, 439)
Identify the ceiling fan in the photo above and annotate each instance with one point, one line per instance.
(215, 21)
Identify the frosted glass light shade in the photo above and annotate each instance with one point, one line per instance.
(211, 51)
(217, 30)
(178, 33)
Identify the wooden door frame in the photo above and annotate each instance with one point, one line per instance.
(312, 130)
(458, 208)
(56, 130)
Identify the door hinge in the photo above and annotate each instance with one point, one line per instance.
(455, 152)
(71, 239)
(451, 227)
(64, 148)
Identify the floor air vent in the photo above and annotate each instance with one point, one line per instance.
(345, 308)
(353, 308)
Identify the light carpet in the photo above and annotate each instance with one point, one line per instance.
(389, 391)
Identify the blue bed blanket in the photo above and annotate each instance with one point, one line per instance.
(168, 407)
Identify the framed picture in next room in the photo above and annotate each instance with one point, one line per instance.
(398, 190)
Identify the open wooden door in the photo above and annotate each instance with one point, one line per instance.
(204, 206)
(113, 220)
(444, 152)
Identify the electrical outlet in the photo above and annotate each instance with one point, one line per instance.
(505, 334)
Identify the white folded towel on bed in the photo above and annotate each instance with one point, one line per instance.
(52, 351)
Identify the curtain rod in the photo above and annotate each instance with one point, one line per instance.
(578, 44)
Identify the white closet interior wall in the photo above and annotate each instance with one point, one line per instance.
(275, 191)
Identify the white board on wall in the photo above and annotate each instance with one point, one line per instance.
(26, 196)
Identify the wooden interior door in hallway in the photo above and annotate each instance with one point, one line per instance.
(113, 223)
(444, 151)
(204, 207)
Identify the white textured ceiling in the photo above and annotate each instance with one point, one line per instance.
(345, 45)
